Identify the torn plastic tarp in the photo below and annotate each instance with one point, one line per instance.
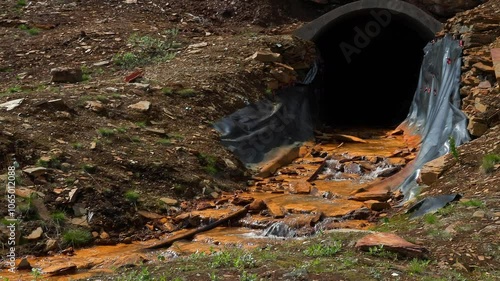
(435, 112)
(432, 204)
(251, 132)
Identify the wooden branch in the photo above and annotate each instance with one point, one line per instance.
(190, 234)
(318, 171)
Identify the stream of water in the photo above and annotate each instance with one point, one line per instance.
(298, 203)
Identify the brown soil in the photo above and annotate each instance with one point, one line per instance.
(82, 33)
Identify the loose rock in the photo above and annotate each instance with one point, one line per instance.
(392, 242)
(142, 106)
(66, 75)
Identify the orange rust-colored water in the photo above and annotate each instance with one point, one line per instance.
(301, 211)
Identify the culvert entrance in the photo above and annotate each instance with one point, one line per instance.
(371, 51)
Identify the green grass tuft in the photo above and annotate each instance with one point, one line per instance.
(489, 162)
(165, 141)
(77, 237)
(453, 148)
(430, 218)
(321, 250)
(417, 266)
(209, 163)
(90, 168)
(148, 49)
(77, 145)
(187, 93)
(105, 132)
(472, 203)
(58, 217)
(132, 196)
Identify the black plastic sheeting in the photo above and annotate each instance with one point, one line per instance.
(435, 112)
(432, 204)
(251, 132)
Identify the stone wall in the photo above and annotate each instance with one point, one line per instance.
(479, 31)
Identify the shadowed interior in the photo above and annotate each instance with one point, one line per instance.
(370, 68)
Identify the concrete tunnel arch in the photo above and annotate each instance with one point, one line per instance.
(371, 54)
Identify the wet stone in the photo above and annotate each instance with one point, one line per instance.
(393, 243)
(24, 265)
(242, 200)
(59, 269)
(377, 206)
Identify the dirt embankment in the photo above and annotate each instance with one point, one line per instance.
(106, 149)
(105, 161)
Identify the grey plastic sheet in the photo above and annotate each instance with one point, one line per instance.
(253, 131)
(432, 204)
(435, 112)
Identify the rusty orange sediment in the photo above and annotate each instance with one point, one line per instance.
(286, 193)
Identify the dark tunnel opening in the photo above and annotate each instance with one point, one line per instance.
(370, 69)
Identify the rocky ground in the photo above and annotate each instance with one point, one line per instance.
(106, 148)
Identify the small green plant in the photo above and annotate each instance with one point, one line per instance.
(489, 162)
(137, 275)
(126, 60)
(176, 136)
(11, 90)
(122, 130)
(27, 209)
(245, 261)
(105, 132)
(77, 145)
(320, 250)
(221, 259)
(379, 251)
(196, 256)
(21, 3)
(417, 266)
(8, 222)
(430, 218)
(213, 276)
(58, 217)
(473, 203)
(132, 196)
(31, 31)
(48, 162)
(70, 181)
(453, 148)
(186, 93)
(36, 273)
(167, 91)
(14, 89)
(90, 168)
(135, 139)
(102, 98)
(209, 163)
(245, 276)
(77, 237)
(141, 124)
(165, 141)
(148, 49)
